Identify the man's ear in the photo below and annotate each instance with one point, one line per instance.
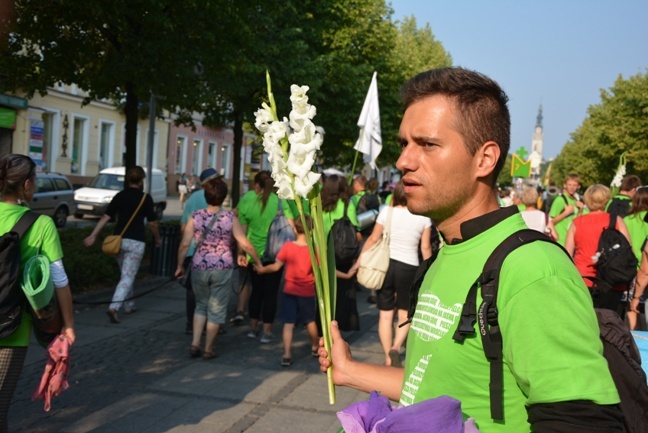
(486, 158)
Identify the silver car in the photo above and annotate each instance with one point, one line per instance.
(54, 197)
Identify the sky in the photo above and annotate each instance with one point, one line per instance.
(558, 54)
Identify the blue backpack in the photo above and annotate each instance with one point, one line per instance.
(279, 233)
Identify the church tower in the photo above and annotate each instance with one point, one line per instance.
(536, 147)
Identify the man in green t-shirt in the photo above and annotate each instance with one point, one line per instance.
(621, 203)
(566, 206)
(454, 138)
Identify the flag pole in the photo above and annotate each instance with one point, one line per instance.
(355, 159)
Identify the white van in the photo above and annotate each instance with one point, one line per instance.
(93, 199)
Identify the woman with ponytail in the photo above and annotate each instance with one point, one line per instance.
(256, 210)
(17, 186)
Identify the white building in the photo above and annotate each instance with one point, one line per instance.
(536, 147)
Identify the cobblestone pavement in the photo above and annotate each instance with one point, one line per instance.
(136, 376)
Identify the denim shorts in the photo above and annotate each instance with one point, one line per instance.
(212, 289)
(297, 309)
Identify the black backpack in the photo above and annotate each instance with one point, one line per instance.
(345, 241)
(619, 207)
(12, 297)
(623, 363)
(624, 360)
(368, 202)
(617, 263)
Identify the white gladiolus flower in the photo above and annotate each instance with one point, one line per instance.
(298, 95)
(304, 185)
(263, 118)
(618, 177)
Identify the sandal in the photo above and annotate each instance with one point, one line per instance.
(394, 356)
(112, 315)
(314, 353)
(209, 355)
(195, 352)
(286, 362)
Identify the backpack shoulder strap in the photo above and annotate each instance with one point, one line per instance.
(346, 207)
(486, 313)
(24, 223)
(613, 218)
(415, 287)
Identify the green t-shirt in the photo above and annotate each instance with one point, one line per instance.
(337, 213)
(551, 346)
(258, 221)
(290, 210)
(355, 199)
(42, 233)
(638, 230)
(557, 207)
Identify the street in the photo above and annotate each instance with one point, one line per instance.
(137, 376)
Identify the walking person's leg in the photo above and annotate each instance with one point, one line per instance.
(386, 303)
(271, 291)
(256, 301)
(129, 259)
(12, 360)
(219, 282)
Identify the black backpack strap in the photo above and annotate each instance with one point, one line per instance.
(613, 218)
(486, 314)
(416, 285)
(24, 223)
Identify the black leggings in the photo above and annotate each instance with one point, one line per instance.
(11, 365)
(263, 299)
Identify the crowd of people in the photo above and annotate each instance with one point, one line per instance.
(444, 218)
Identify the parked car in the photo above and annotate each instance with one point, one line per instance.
(54, 197)
(94, 198)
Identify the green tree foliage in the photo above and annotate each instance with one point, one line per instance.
(616, 125)
(415, 50)
(117, 50)
(211, 57)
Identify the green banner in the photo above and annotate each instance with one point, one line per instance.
(7, 118)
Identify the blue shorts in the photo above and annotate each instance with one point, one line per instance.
(297, 309)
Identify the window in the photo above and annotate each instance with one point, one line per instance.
(196, 162)
(106, 144)
(211, 154)
(79, 144)
(62, 184)
(181, 154)
(225, 160)
(44, 184)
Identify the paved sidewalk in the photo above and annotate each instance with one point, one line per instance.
(136, 376)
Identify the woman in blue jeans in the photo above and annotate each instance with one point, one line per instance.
(211, 264)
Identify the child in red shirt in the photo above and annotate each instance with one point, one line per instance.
(298, 299)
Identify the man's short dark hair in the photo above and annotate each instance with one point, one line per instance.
(630, 182)
(135, 175)
(482, 113)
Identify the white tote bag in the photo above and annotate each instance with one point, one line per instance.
(375, 261)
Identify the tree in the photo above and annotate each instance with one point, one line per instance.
(120, 50)
(616, 125)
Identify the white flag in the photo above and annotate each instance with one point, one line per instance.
(370, 140)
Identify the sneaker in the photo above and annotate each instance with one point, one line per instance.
(286, 362)
(238, 318)
(266, 338)
(253, 333)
